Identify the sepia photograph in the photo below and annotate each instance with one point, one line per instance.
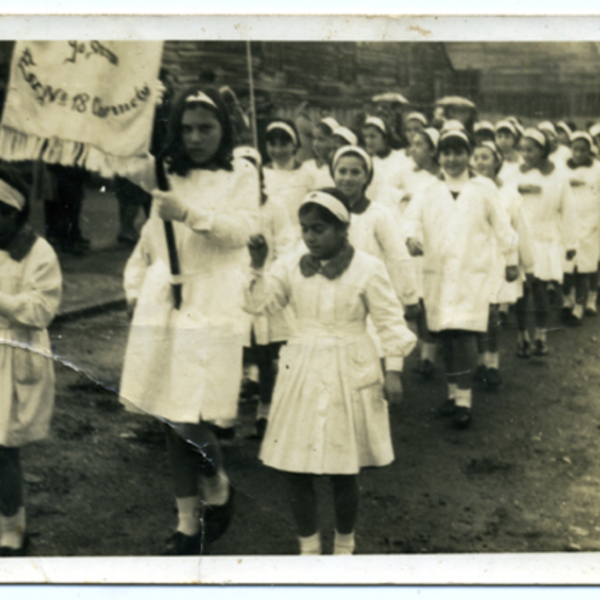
(305, 297)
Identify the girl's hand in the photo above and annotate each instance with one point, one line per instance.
(512, 273)
(415, 247)
(169, 207)
(393, 387)
(161, 90)
(571, 254)
(259, 250)
(131, 304)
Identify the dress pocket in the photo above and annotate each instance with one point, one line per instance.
(28, 363)
(366, 366)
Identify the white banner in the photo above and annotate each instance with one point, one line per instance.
(85, 103)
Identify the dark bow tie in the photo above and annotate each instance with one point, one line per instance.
(310, 265)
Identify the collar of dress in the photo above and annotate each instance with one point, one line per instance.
(546, 168)
(310, 265)
(358, 208)
(20, 246)
(573, 165)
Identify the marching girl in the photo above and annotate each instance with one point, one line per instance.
(564, 131)
(30, 291)
(414, 123)
(550, 212)
(185, 366)
(507, 140)
(388, 165)
(488, 163)
(318, 167)
(329, 416)
(270, 332)
(285, 179)
(452, 221)
(581, 283)
(559, 154)
(423, 152)
(373, 229)
(484, 131)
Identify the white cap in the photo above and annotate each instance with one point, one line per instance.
(345, 133)
(331, 203)
(417, 116)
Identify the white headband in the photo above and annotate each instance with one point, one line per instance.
(595, 130)
(563, 125)
(200, 98)
(330, 122)
(345, 133)
(536, 135)
(433, 134)
(376, 122)
(11, 196)
(507, 125)
(582, 135)
(352, 150)
(452, 125)
(547, 126)
(457, 133)
(331, 203)
(417, 116)
(284, 127)
(483, 126)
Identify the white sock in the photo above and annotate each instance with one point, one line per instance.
(504, 308)
(452, 388)
(253, 373)
(591, 300)
(224, 423)
(188, 515)
(540, 334)
(522, 336)
(310, 545)
(216, 489)
(481, 359)
(463, 398)
(262, 411)
(12, 530)
(578, 311)
(492, 360)
(428, 351)
(343, 543)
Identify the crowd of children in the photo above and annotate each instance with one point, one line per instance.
(311, 271)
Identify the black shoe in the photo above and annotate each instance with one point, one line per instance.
(259, 430)
(461, 417)
(6, 551)
(524, 349)
(480, 374)
(218, 518)
(565, 313)
(183, 545)
(493, 379)
(504, 320)
(541, 348)
(447, 408)
(223, 433)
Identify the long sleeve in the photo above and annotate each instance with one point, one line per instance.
(136, 267)
(397, 341)
(568, 215)
(397, 260)
(413, 217)
(506, 236)
(267, 293)
(38, 299)
(526, 252)
(234, 223)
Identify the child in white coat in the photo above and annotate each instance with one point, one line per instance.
(452, 222)
(329, 416)
(30, 291)
(322, 146)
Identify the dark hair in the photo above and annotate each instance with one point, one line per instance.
(429, 141)
(582, 139)
(516, 135)
(486, 134)
(545, 148)
(387, 134)
(453, 142)
(324, 128)
(281, 134)
(11, 176)
(178, 159)
(324, 214)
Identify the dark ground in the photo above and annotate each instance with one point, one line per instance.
(524, 478)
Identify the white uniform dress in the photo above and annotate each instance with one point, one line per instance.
(186, 365)
(388, 174)
(288, 187)
(321, 176)
(510, 171)
(328, 415)
(459, 282)
(26, 365)
(550, 211)
(585, 187)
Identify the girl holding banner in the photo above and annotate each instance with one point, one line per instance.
(185, 366)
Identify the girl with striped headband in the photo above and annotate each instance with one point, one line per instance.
(451, 223)
(285, 179)
(388, 164)
(488, 161)
(172, 369)
(548, 206)
(329, 416)
(30, 291)
(581, 274)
